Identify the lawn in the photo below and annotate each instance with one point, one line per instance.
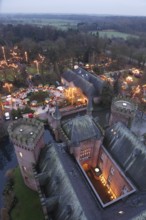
(28, 206)
(115, 34)
(8, 74)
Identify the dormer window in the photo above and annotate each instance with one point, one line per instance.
(112, 171)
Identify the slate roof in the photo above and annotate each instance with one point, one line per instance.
(80, 82)
(66, 190)
(96, 81)
(128, 151)
(81, 128)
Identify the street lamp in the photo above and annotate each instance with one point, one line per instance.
(1, 107)
(8, 86)
(37, 65)
(26, 56)
(4, 54)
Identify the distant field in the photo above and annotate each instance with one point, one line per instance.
(115, 34)
(63, 24)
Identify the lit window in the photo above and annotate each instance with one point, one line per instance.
(85, 154)
(21, 155)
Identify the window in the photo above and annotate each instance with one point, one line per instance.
(85, 154)
(20, 154)
(125, 190)
(109, 180)
(112, 171)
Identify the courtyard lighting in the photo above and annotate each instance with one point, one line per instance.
(26, 56)
(129, 79)
(37, 65)
(96, 169)
(8, 86)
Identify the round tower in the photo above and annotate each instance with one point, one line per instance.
(27, 138)
(124, 110)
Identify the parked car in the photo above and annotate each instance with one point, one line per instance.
(7, 116)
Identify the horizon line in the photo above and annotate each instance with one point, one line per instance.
(66, 13)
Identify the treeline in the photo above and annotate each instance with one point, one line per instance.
(133, 25)
(15, 34)
(127, 24)
(59, 46)
(54, 44)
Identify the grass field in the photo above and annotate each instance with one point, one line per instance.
(28, 206)
(115, 34)
(63, 24)
(58, 23)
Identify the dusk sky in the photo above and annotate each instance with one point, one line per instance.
(113, 7)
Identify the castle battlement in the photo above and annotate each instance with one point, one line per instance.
(25, 132)
(124, 106)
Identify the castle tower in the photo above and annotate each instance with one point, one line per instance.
(27, 138)
(123, 110)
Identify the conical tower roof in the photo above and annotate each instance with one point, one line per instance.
(56, 114)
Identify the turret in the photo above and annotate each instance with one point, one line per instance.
(124, 110)
(27, 138)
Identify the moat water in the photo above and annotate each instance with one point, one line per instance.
(8, 160)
